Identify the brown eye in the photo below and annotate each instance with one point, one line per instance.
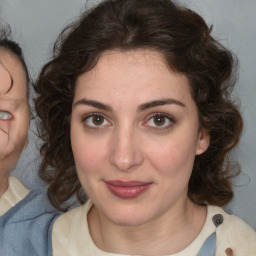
(159, 120)
(98, 120)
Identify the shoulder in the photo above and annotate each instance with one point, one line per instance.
(26, 227)
(70, 234)
(34, 205)
(234, 233)
(69, 219)
(13, 195)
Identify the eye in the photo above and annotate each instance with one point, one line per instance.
(4, 115)
(160, 120)
(95, 121)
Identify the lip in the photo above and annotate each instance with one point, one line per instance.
(127, 189)
(5, 122)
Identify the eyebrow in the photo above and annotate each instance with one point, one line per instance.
(142, 107)
(160, 102)
(93, 103)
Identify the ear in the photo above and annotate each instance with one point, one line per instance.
(203, 141)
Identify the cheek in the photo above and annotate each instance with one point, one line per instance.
(84, 153)
(90, 160)
(22, 132)
(85, 160)
(173, 156)
(88, 152)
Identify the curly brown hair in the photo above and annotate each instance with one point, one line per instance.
(184, 39)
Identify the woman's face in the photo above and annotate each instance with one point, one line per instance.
(135, 134)
(14, 110)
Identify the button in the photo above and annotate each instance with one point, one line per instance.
(217, 219)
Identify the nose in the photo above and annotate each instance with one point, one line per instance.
(126, 151)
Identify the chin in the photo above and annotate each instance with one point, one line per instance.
(129, 222)
(128, 217)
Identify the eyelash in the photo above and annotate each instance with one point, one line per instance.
(96, 115)
(167, 118)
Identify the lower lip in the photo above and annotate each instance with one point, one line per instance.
(128, 192)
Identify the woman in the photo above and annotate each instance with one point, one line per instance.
(25, 218)
(136, 112)
(14, 112)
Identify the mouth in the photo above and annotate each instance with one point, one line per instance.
(127, 189)
(4, 115)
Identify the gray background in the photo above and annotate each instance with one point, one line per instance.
(36, 24)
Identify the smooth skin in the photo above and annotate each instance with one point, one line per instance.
(14, 114)
(133, 119)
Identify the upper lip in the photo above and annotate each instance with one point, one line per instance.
(132, 183)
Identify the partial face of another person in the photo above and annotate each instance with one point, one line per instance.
(14, 110)
(135, 134)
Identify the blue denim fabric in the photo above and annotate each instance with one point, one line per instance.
(25, 230)
(209, 246)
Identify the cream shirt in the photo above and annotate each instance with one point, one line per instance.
(71, 236)
(15, 193)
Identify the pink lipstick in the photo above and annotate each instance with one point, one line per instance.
(127, 189)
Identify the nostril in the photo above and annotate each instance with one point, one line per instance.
(126, 163)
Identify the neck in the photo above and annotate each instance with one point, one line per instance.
(166, 232)
(3, 184)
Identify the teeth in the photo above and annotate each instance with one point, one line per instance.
(5, 115)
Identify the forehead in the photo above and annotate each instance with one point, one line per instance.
(138, 73)
(12, 74)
